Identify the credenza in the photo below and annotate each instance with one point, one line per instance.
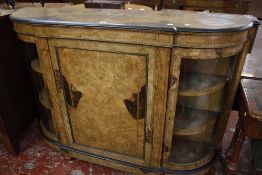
(144, 92)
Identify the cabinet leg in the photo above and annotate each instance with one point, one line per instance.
(233, 160)
(9, 146)
(231, 148)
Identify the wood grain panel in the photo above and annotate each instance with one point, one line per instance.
(211, 40)
(150, 52)
(105, 82)
(110, 35)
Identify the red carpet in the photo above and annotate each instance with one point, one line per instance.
(36, 158)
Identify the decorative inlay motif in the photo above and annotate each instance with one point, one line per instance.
(137, 104)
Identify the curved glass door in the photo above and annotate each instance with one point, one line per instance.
(203, 87)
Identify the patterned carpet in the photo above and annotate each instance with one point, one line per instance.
(36, 158)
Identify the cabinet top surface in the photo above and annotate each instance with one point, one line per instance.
(166, 20)
(5, 12)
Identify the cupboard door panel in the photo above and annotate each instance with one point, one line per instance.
(112, 98)
(106, 98)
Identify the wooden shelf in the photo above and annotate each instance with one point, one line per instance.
(44, 98)
(199, 84)
(185, 151)
(191, 121)
(36, 66)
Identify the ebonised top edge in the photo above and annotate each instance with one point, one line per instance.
(164, 21)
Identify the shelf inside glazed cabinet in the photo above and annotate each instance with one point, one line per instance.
(199, 84)
(211, 102)
(184, 151)
(36, 66)
(47, 132)
(190, 121)
(44, 98)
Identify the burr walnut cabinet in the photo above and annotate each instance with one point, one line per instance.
(144, 92)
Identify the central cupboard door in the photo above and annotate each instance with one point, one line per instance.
(105, 93)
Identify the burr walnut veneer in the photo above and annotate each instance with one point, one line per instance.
(144, 92)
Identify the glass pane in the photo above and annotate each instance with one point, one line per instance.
(202, 93)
